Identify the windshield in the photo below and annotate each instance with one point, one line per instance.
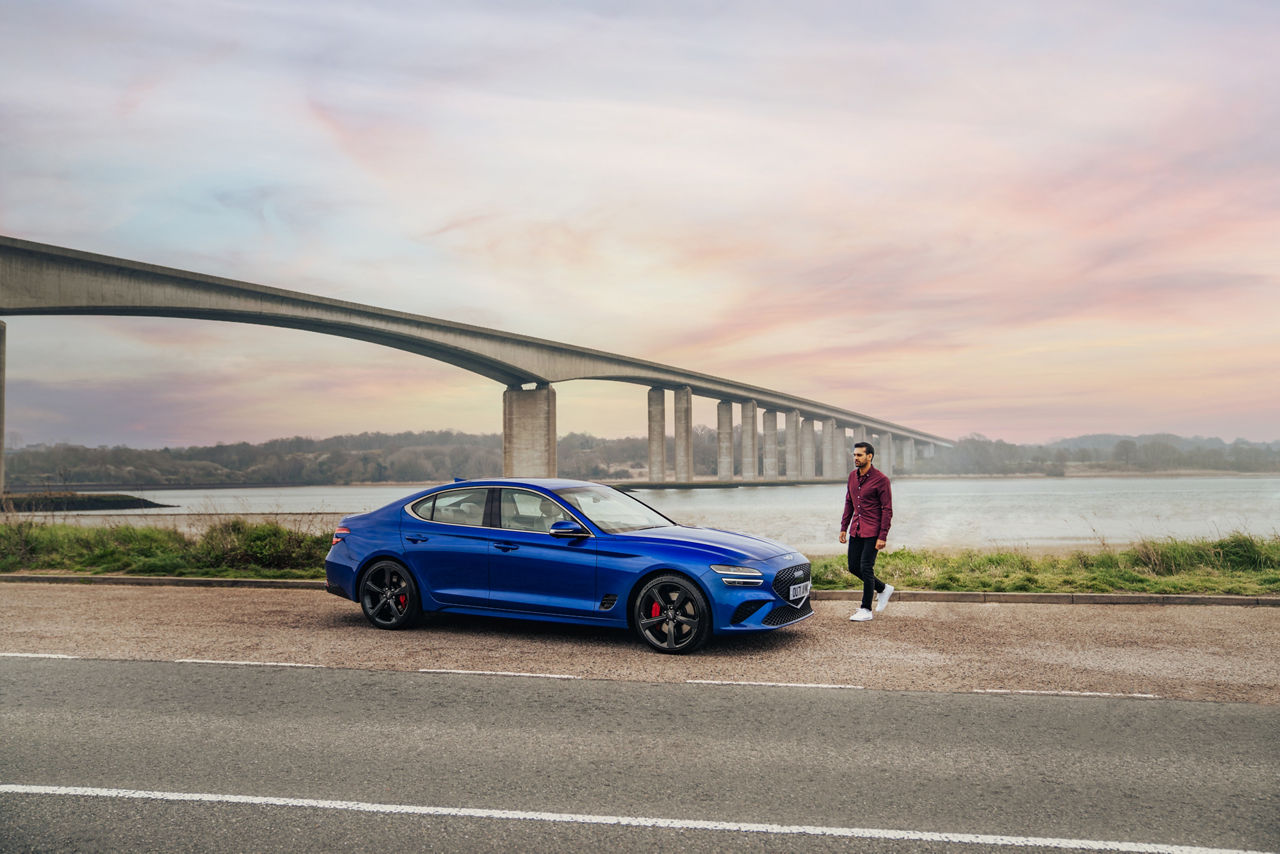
(612, 511)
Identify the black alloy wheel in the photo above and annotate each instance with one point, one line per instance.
(389, 597)
(671, 615)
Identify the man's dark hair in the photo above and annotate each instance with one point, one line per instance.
(866, 446)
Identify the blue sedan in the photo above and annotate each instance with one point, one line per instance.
(567, 551)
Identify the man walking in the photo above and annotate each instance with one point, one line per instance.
(868, 509)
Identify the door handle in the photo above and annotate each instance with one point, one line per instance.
(416, 539)
(505, 547)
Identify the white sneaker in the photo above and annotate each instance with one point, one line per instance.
(861, 616)
(882, 598)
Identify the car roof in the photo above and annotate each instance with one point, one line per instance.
(543, 482)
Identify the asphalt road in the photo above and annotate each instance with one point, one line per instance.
(912, 763)
(1138, 724)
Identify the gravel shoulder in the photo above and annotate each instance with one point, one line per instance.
(1215, 653)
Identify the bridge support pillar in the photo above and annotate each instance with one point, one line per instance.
(770, 444)
(750, 457)
(529, 432)
(657, 434)
(793, 444)
(885, 456)
(724, 440)
(860, 433)
(819, 449)
(833, 453)
(808, 461)
(929, 450)
(684, 434)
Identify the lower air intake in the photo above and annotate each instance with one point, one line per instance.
(746, 609)
(784, 614)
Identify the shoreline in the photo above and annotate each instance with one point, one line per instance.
(705, 483)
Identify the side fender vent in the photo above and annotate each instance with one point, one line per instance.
(608, 601)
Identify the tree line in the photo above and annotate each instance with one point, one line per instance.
(1103, 454)
(435, 456)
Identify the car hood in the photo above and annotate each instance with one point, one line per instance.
(724, 544)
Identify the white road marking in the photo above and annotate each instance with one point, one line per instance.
(244, 663)
(567, 676)
(627, 821)
(772, 684)
(1063, 693)
(500, 673)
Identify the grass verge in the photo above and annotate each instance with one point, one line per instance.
(234, 548)
(1238, 564)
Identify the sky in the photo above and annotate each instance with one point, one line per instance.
(1022, 220)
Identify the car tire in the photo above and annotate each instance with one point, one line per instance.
(671, 615)
(389, 596)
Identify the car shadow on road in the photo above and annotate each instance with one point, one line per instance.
(512, 633)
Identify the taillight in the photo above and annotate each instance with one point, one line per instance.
(338, 534)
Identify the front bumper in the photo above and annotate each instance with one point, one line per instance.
(769, 606)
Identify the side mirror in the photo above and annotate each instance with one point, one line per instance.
(568, 529)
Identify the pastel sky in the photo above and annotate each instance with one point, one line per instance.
(1025, 220)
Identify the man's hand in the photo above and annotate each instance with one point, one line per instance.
(843, 536)
(879, 545)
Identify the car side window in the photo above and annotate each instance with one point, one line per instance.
(460, 506)
(423, 508)
(521, 510)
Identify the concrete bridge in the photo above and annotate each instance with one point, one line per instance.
(36, 278)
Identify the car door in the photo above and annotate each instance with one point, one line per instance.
(534, 572)
(447, 545)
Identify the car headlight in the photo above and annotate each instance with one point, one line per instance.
(738, 576)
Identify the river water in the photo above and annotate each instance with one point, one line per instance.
(1033, 514)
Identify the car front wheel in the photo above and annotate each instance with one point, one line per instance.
(389, 597)
(671, 615)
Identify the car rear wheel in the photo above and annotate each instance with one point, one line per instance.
(389, 597)
(671, 615)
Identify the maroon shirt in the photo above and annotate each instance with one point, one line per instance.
(868, 505)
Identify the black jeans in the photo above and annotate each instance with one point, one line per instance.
(862, 563)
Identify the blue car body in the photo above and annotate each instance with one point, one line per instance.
(467, 547)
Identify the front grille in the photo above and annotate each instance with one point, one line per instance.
(788, 576)
(784, 614)
(746, 609)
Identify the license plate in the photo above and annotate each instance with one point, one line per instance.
(801, 590)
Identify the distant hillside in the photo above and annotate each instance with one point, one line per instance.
(1107, 441)
(427, 457)
(1104, 453)
(435, 456)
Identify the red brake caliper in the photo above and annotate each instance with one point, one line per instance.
(657, 610)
